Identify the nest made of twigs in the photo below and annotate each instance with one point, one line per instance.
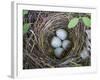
(38, 52)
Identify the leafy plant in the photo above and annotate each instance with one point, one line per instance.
(25, 12)
(73, 22)
(86, 21)
(26, 27)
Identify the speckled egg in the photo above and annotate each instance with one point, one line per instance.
(61, 33)
(58, 52)
(66, 44)
(55, 42)
(84, 54)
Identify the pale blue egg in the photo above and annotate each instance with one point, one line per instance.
(84, 54)
(58, 52)
(61, 33)
(55, 42)
(66, 44)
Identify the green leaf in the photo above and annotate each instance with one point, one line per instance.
(73, 22)
(26, 27)
(86, 21)
(25, 12)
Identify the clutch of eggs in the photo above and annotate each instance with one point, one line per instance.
(59, 43)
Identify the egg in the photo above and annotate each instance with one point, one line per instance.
(58, 52)
(66, 44)
(55, 42)
(84, 54)
(61, 33)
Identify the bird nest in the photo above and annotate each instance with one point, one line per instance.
(37, 49)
